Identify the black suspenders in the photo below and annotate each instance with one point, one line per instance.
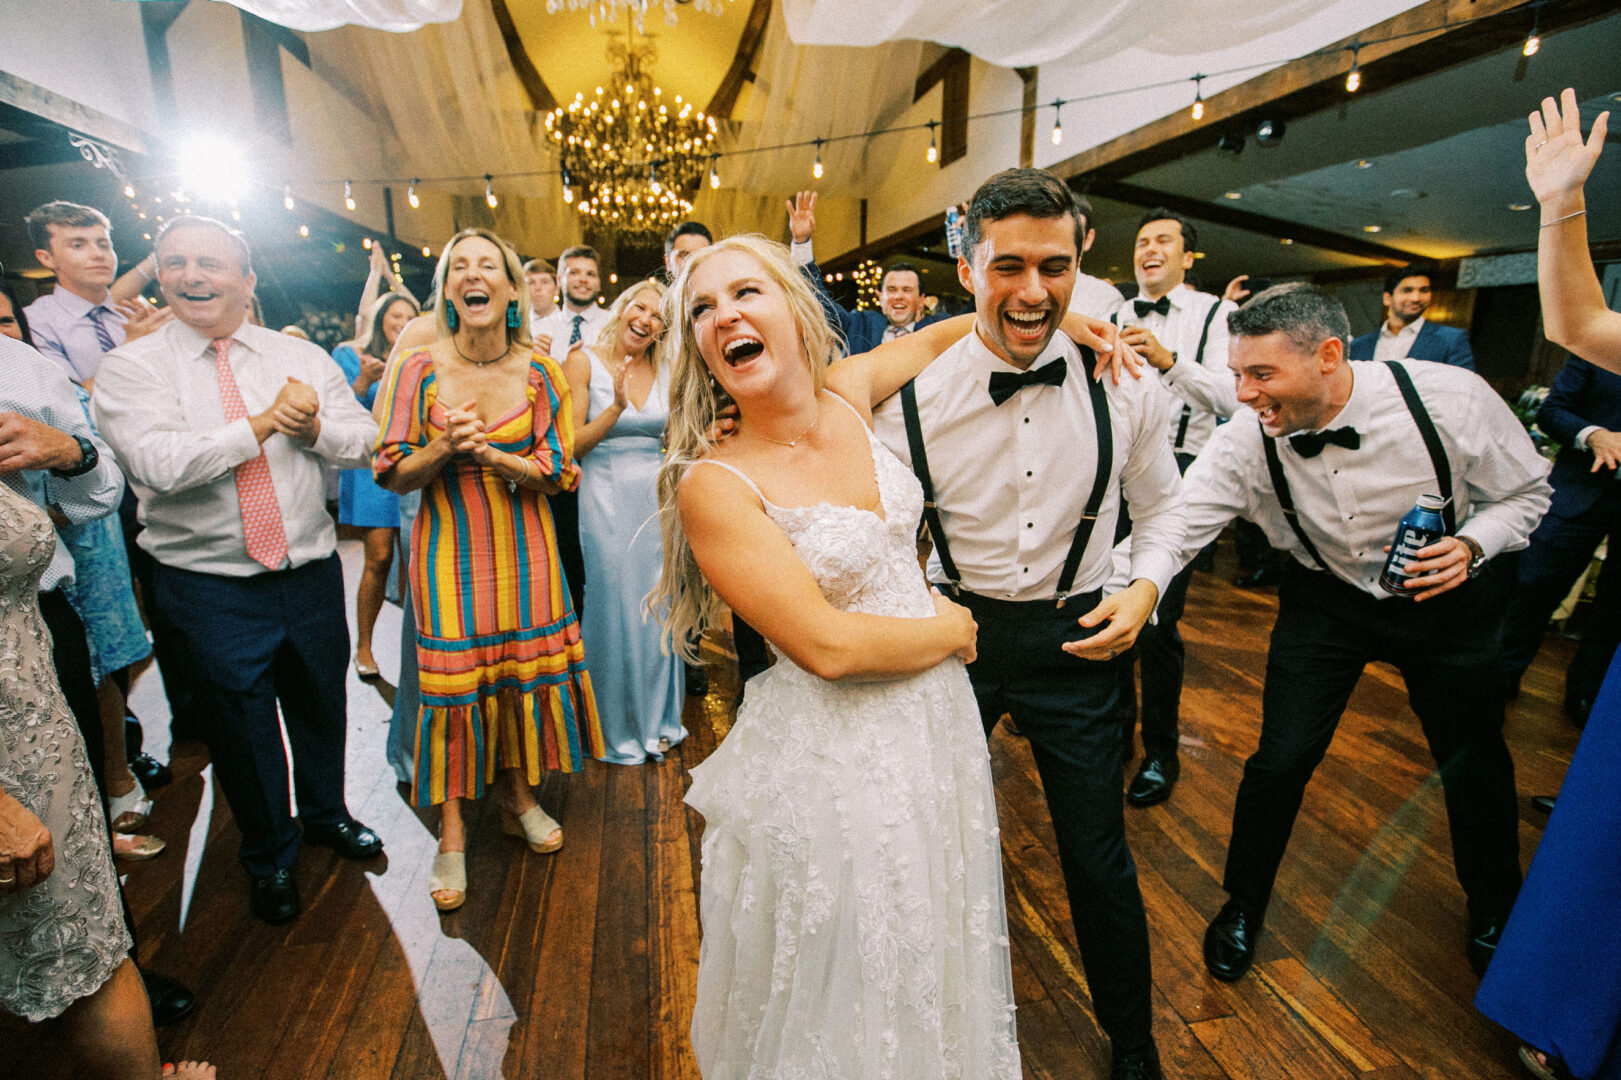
(1198, 358)
(1094, 501)
(1432, 443)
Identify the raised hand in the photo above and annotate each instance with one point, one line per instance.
(141, 317)
(802, 216)
(1557, 161)
(1235, 290)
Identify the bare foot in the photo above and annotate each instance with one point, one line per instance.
(365, 662)
(189, 1070)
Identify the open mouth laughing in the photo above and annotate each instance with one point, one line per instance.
(741, 349)
(1027, 327)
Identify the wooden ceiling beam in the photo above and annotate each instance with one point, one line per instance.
(742, 68)
(540, 95)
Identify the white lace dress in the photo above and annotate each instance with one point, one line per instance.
(852, 910)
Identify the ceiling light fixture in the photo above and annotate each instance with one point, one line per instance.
(1285, 241)
(1534, 42)
(1232, 195)
(1198, 97)
(287, 196)
(1373, 228)
(816, 166)
(1058, 122)
(411, 195)
(1364, 163)
(348, 195)
(1518, 206)
(714, 171)
(489, 195)
(1353, 81)
(934, 148)
(608, 12)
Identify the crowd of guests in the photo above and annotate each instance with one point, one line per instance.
(517, 447)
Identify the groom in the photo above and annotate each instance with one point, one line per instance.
(1024, 460)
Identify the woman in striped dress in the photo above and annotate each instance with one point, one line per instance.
(482, 424)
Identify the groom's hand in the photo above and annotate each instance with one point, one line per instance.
(1125, 612)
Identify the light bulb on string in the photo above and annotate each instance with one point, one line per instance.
(489, 195)
(129, 191)
(411, 195)
(365, 242)
(1058, 122)
(653, 178)
(425, 251)
(816, 166)
(348, 195)
(568, 185)
(1198, 97)
(287, 196)
(714, 171)
(1534, 42)
(934, 148)
(303, 230)
(1353, 81)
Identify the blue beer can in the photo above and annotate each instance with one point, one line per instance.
(954, 227)
(1420, 527)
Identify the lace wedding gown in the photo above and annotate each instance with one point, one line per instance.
(852, 910)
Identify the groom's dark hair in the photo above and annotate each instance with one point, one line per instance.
(1035, 192)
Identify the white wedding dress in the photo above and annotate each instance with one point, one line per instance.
(852, 910)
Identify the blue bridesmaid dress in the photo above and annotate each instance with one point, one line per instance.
(639, 689)
(361, 500)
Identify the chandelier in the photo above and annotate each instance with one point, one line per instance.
(608, 11)
(634, 156)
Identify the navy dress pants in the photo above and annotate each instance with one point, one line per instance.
(278, 636)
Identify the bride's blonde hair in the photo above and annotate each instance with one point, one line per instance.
(683, 599)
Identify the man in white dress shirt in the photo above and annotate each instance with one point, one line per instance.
(224, 428)
(1025, 460)
(540, 278)
(1341, 452)
(1182, 333)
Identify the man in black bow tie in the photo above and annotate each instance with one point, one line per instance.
(1024, 458)
(1336, 453)
(1182, 333)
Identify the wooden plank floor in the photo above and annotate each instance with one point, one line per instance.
(581, 964)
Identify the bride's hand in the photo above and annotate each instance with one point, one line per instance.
(961, 621)
(1557, 160)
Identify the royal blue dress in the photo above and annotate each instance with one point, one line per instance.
(639, 688)
(1555, 981)
(361, 501)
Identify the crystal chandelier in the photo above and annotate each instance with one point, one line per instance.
(634, 157)
(608, 11)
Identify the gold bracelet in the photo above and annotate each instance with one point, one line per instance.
(1557, 220)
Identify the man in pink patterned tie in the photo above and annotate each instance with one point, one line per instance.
(223, 429)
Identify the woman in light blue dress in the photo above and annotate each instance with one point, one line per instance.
(361, 502)
(621, 404)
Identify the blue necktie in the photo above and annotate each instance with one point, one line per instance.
(104, 337)
(574, 338)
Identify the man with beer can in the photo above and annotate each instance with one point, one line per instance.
(1340, 453)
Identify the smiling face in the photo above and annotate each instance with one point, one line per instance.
(1161, 258)
(476, 283)
(399, 313)
(902, 297)
(201, 275)
(1022, 274)
(581, 281)
(1410, 300)
(542, 291)
(82, 258)
(9, 326)
(1291, 388)
(743, 325)
(641, 321)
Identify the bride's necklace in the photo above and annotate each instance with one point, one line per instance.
(479, 363)
(795, 442)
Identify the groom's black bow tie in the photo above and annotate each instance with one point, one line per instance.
(1004, 384)
(1308, 444)
(1162, 305)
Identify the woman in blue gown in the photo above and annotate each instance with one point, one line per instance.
(621, 403)
(1556, 979)
(361, 502)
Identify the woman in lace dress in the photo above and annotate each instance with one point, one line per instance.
(63, 945)
(853, 920)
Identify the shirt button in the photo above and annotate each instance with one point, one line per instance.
(1029, 524)
(1027, 419)
(1027, 569)
(1028, 473)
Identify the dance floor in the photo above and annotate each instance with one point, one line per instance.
(581, 964)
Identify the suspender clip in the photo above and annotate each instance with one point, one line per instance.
(1062, 597)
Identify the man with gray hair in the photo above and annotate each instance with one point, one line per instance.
(1341, 452)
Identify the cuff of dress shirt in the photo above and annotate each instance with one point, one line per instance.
(1155, 566)
(1493, 538)
(238, 440)
(802, 254)
(1582, 435)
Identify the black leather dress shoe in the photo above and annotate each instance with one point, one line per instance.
(170, 998)
(1256, 579)
(1577, 708)
(151, 772)
(697, 680)
(1542, 803)
(349, 838)
(1483, 938)
(275, 898)
(1229, 942)
(1153, 782)
(1136, 1067)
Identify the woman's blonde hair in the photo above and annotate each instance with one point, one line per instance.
(514, 266)
(616, 320)
(683, 599)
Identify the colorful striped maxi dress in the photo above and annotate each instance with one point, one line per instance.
(503, 677)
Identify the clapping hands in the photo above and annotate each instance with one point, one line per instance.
(296, 411)
(466, 433)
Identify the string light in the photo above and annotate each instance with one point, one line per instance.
(568, 185)
(489, 195)
(1534, 42)
(425, 252)
(348, 195)
(1198, 97)
(816, 166)
(1353, 81)
(365, 242)
(1058, 122)
(934, 149)
(411, 195)
(653, 184)
(714, 171)
(303, 230)
(129, 191)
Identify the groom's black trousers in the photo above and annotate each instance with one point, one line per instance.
(1065, 706)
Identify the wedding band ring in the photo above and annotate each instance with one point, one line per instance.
(7, 880)
(1540, 145)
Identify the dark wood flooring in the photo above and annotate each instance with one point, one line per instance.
(581, 964)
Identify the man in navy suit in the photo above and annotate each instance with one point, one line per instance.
(1583, 413)
(1406, 332)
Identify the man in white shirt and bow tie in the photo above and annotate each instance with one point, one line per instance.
(1340, 452)
(224, 429)
(1025, 460)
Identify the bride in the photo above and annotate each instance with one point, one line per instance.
(852, 908)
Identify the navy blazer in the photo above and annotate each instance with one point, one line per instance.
(1582, 395)
(1443, 344)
